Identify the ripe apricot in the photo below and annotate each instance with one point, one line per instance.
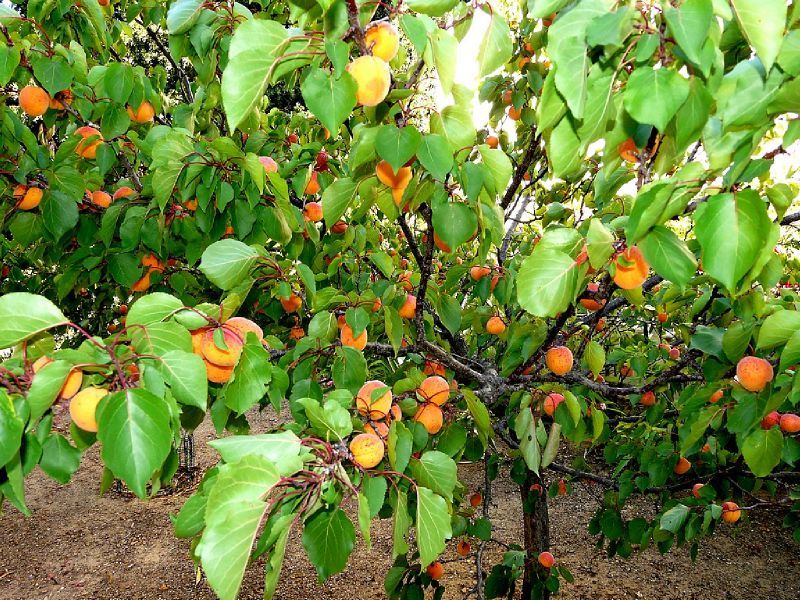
(369, 402)
(373, 79)
(101, 199)
(72, 384)
(433, 368)
(628, 151)
(495, 325)
(190, 205)
(409, 308)
(313, 212)
(88, 149)
(143, 114)
(551, 403)
(716, 396)
(440, 243)
(367, 450)
(731, 512)
(463, 548)
(601, 325)
(683, 466)
(124, 192)
(398, 181)
(514, 113)
(674, 353)
(631, 268)
(696, 489)
(217, 373)
(312, 188)
(475, 500)
(242, 325)
(648, 399)
(395, 414)
(404, 279)
(269, 164)
(40, 363)
(378, 428)
(30, 199)
(754, 373)
(477, 272)
(546, 559)
(431, 417)
(222, 357)
(339, 227)
(662, 317)
(434, 389)
(376, 306)
(559, 360)
(347, 339)
(562, 487)
(772, 419)
(790, 423)
(34, 101)
(296, 333)
(58, 101)
(435, 570)
(492, 141)
(292, 303)
(83, 406)
(507, 97)
(153, 264)
(382, 39)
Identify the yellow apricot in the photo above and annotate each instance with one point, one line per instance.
(383, 40)
(86, 149)
(409, 308)
(216, 373)
(631, 268)
(241, 325)
(373, 79)
(754, 373)
(559, 360)
(83, 406)
(220, 356)
(30, 199)
(143, 114)
(347, 339)
(368, 405)
(367, 450)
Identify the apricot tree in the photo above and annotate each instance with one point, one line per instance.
(601, 266)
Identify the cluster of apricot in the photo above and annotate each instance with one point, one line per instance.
(630, 268)
(347, 338)
(220, 346)
(432, 394)
(371, 71)
(374, 402)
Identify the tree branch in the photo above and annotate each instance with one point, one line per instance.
(522, 168)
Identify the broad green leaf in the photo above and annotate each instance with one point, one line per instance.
(689, 25)
(437, 471)
(499, 166)
(160, 338)
(445, 57)
(454, 222)
(59, 214)
(547, 282)
(544, 8)
(330, 421)
(496, 48)
(330, 99)
(349, 368)
(400, 524)
(399, 445)
(278, 448)
(46, 386)
(778, 328)
(251, 376)
(59, 458)
(227, 262)
(762, 450)
(134, 428)
(396, 146)
(336, 199)
(599, 243)
(364, 519)
(668, 255)
(433, 8)
(653, 96)
(551, 447)
(525, 428)
(763, 23)
(564, 150)
(11, 427)
(435, 154)
(182, 15)
(674, 518)
(328, 537)
(185, 373)
(24, 315)
(595, 357)
(433, 525)
(152, 308)
(791, 353)
(480, 415)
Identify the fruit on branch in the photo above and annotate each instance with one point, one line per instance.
(628, 151)
(371, 403)
(662, 317)
(152, 264)
(790, 423)
(101, 199)
(753, 373)
(217, 373)
(772, 419)
(590, 303)
(222, 357)
(648, 399)
(514, 113)
(562, 487)
(409, 308)
(378, 428)
(546, 559)
(551, 402)
(339, 227)
(291, 303)
(435, 570)
(716, 396)
(696, 489)
(312, 188)
(492, 141)
(373, 79)
(431, 417)
(367, 450)
(83, 406)
(269, 164)
(463, 548)
(347, 339)
(601, 324)
(28, 198)
(382, 39)
(674, 353)
(434, 389)
(313, 210)
(71, 384)
(296, 333)
(60, 99)
(477, 272)
(559, 360)
(242, 325)
(34, 101)
(92, 139)
(321, 162)
(495, 325)
(143, 114)
(631, 268)
(683, 466)
(397, 181)
(475, 500)
(440, 243)
(731, 512)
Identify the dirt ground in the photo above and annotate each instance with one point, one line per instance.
(79, 545)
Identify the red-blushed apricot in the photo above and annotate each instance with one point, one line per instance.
(771, 420)
(313, 187)
(790, 423)
(269, 164)
(347, 339)
(754, 373)
(592, 303)
(85, 148)
(34, 101)
(662, 317)
(674, 353)
(367, 450)
(463, 548)
(143, 114)
(546, 559)
(716, 396)
(495, 325)
(492, 141)
(551, 402)
(731, 512)
(395, 413)
(696, 489)
(404, 279)
(600, 325)
(382, 40)
(217, 373)
(409, 308)
(101, 199)
(433, 368)
(628, 151)
(378, 428)
(297, 333)
(477, 272)
(30, 199)
(431, 417)
(397, 181)
(373, 79)
(507, 97)
(222, 357)
(372, 403)
(515, 114)
(313, 212)
(124, 192)
(434, 389)
(339, 227)
(435, 570)
(648, 399)
(559, 360)
(242, 325)
(83, 406)
(292, 303)
(631, 268)
(683, 466)
(376, 305)
(475, 500)
(440, 244)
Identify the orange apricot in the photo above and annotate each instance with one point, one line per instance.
(88, 149)
(559, 360)
(628, 151)
(754, 373)
(217, 373)
(367, 450)
(143, 114)
(435, 570)
(269, 164)
(683, 466)
(495, 325)
(716, 396)
(731, 512)
(372, 403)
(477, 273)
(440, 243)
(124, 192)
(242, 325)
(291, 303)
(312, 188)
(631, 268)
(434, 389)
(514, 113)
(463, 548)
(696, 489)
(546, 559)
(101, 199)
(382, 40)
(347, 339)
(313, 212)
(648, 399)
(790, 423)
(551, 403)
(30, 199)
(431, 417)
(492, 141)
(34, 101)
(397, 181)
(83, 407)
(222, 357)
(409, 308)
(373, 79)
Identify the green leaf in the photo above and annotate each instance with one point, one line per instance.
(160, 338)
(564, 150)
(551, 447)
(689, 25)
(668, 255)
(595, 357)
(778, 328)
(547, 282)
(399, 444)
(791, 353)
(763, 23)
(364, 518)
(331, 421)
(437, 471)
(480, 415)
(762, 450)
(185, 373)
(24, 315)
(11, 427)
(9, 61)
(525, 428)
(46, 386)
(499, 166)
(674, 518)
(134, 428)
(496, 48)
(433, 525)
(400, 524)
(227, 262)
(397, 146)
(445, 57)
(599, 243)
(59, 458)
(53, 72)
(328, 537)
(349, 368)
(152, 308)
(731, 229)
(336, 199)
(454, 222)
(653, 96)
(59, 214)
(435, 154)
(251, 376)
(544, 8)
(330, 99)
(182, 15)
(433, 8)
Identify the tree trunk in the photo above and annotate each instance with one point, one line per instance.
(536, 529)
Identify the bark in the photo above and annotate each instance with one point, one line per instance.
(536, 530)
